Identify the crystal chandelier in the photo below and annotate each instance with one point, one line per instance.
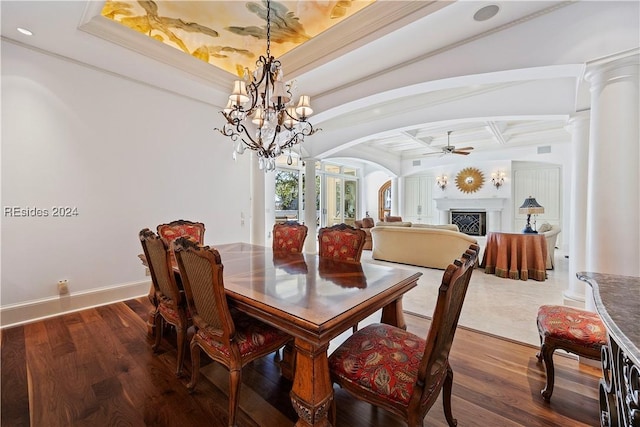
(260, 115)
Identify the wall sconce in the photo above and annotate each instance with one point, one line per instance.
(497, 179)
(441, 181)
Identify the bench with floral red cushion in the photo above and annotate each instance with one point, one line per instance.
(571, 329)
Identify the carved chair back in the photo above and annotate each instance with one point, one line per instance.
(435, 361)
(289, 236)
(181, 228)
(157, 253)
(341, 242)
(201, 272)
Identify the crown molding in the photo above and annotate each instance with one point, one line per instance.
(95, 24)
(368, 24)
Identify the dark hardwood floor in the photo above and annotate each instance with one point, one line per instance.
(96, 368)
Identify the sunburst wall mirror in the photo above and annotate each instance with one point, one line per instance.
(469, 180)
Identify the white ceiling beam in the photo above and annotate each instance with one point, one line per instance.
(496, 132)
(424, 141)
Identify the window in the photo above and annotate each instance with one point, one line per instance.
(288, 185)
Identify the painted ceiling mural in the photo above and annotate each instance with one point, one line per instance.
(231, 34)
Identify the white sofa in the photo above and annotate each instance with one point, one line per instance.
(424, 246)
(550, 232)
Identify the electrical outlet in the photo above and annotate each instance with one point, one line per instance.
(63, 287)
(147, 272)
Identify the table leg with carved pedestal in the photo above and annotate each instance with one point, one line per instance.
(311, 399)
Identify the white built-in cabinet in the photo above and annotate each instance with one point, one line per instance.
(542, 183)
(418, 200)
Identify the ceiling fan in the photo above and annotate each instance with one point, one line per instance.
(450, 149)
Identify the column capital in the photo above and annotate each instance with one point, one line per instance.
(615, 67)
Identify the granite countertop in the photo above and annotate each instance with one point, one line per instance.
(617, 301)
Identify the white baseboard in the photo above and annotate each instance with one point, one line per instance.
(17, 314)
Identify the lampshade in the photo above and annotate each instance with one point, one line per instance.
(530, 206)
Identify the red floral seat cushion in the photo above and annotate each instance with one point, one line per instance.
(571, 325)
(340, 245)
(169, 312)
(380, 358)
(252, 335)
(288, 238)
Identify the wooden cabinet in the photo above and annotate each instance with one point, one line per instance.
(617, 300)
(418, 200)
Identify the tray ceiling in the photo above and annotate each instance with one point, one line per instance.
(231, 35)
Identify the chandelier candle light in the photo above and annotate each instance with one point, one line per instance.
(260, 115)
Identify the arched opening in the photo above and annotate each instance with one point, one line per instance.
(384, 200)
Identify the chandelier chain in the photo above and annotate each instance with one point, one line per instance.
(268, 29)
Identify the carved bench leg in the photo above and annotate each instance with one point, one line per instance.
(546, 354)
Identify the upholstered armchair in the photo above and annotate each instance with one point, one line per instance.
(399, 371)
(390, 218)
(366, 224)
(550, 232)
(229, 337)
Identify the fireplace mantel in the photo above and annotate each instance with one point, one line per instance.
(492, 205)
(487, 204)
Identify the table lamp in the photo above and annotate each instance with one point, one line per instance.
(530, 206)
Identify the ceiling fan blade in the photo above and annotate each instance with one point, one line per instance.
(465, 148)
(433, 154)
(460, 152)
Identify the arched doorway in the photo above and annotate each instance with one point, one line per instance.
(384, 200)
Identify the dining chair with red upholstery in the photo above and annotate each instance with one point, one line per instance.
(289, 236)
(227, 336)
(171, 302)
(402, 372)
(169, 232)
(182, 228)
(341, 242)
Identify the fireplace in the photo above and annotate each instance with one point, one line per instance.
(490, 207)
(471, 223)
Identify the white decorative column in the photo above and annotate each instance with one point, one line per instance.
(310, 213)
(613, 229)
(579, 128)
(258, 206)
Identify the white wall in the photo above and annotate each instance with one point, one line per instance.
(374, 180)
(125, 154)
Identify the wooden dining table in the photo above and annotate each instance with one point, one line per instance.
(516, 255)
(314, 299)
